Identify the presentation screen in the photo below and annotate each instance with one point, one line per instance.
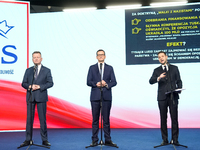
(174, 30)
(131, 39)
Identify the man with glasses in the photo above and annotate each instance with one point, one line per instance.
(101, 77)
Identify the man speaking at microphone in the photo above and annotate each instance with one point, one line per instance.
(36, 81)
(168, 78)
(98, 83)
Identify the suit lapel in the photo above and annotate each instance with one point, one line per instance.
(97, 70)
(32, 71)
(40, 72)
(105, 70)
(161, 69)
(169, 67)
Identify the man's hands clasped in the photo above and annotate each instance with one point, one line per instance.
(101, 85)
(34, 87)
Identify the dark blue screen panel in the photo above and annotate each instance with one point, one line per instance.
(175, 30)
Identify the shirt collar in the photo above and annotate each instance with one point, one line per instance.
(102, 64)
(163, 66)
(39, 67)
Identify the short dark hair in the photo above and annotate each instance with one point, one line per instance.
(162, 52)
(36, 52)
(101, 50)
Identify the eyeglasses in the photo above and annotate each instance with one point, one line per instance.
(100, 54)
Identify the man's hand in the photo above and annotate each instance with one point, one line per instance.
(162, 75)
(98, 84)
(35, 87)
(102, 82)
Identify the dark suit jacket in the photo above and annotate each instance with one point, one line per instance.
(164, 83)
(44, 79)
(94, 77)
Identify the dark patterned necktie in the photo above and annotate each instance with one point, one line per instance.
(36, 73)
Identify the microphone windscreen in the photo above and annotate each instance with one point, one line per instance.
(35, 67)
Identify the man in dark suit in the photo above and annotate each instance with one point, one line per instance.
(168, 78)
(98, 82)
(36, 81)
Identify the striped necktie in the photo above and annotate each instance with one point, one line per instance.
(36, 73)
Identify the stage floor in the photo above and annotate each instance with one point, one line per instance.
(126, 139)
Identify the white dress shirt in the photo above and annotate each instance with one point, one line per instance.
(39, 67)
(103, 64)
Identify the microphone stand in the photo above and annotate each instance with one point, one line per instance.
(31, 116)
(101, 102)
(171, 98)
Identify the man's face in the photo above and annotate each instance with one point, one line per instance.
(101, 56)
(162, 58)
(36, 58)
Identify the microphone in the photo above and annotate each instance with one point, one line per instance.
(100, 66)
(35, 67)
